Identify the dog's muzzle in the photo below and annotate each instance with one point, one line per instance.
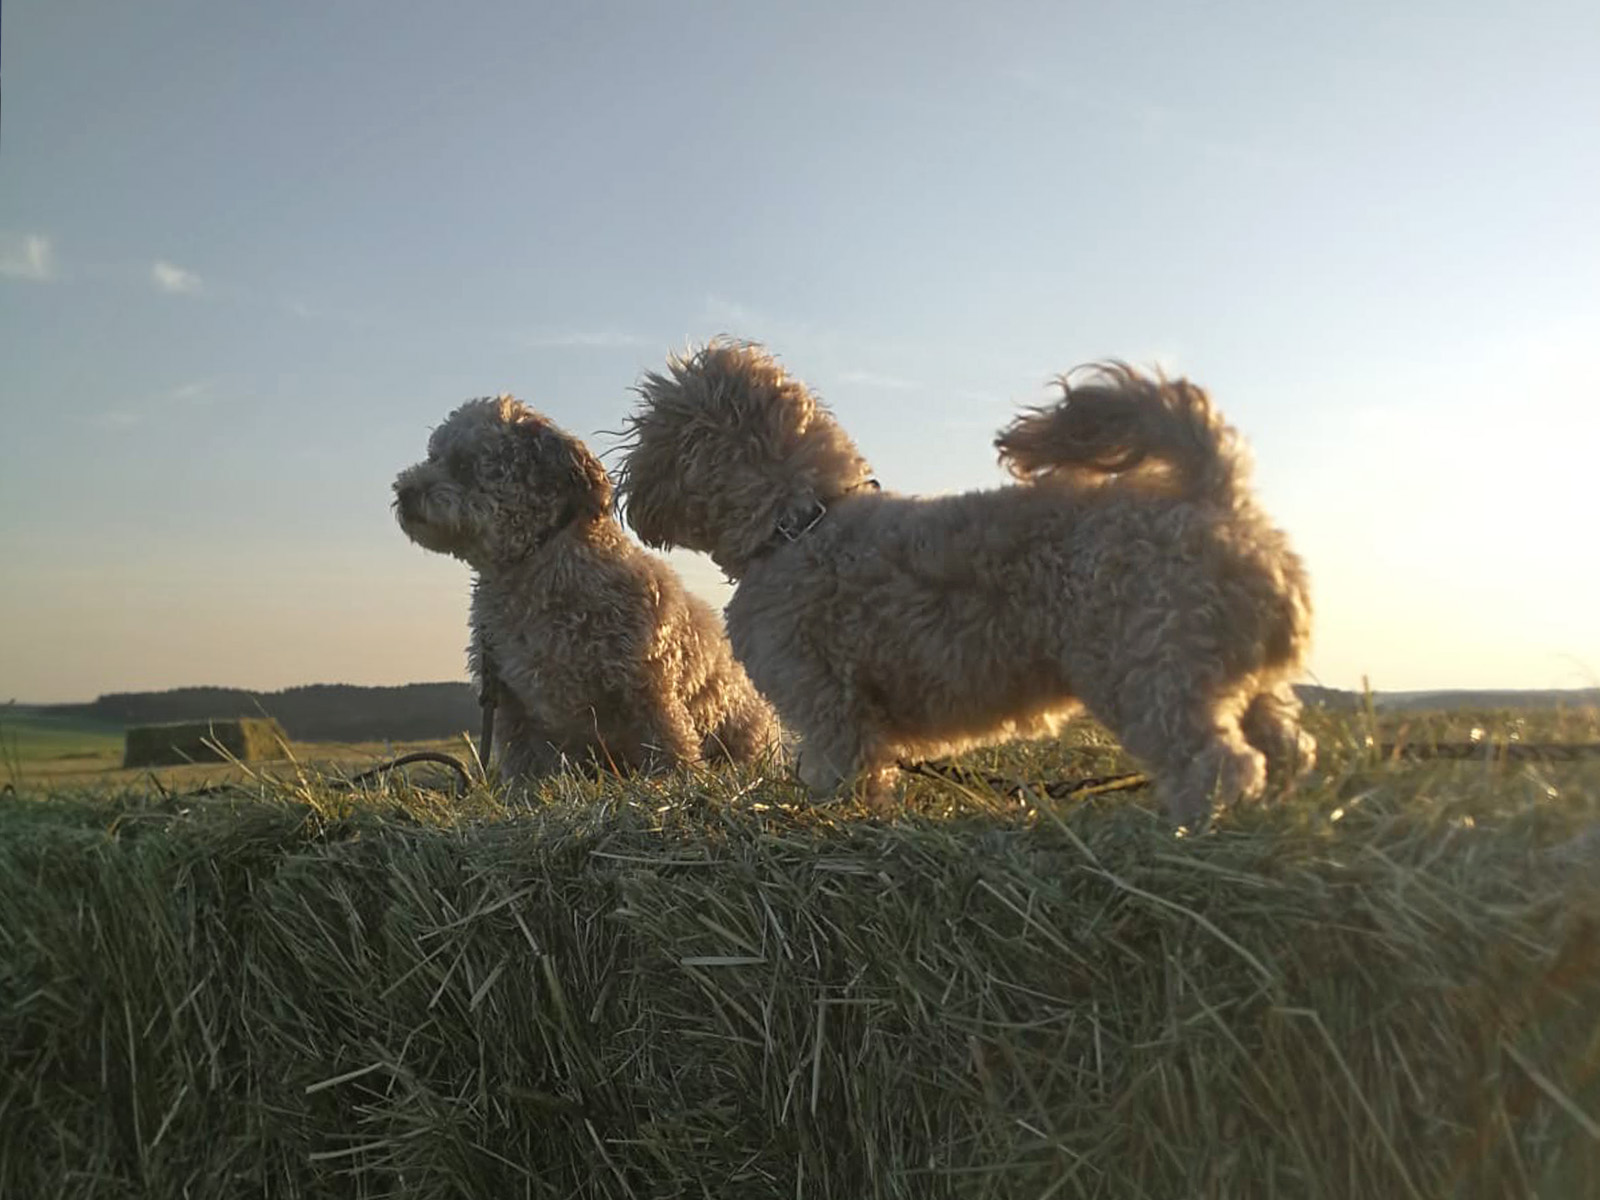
(408, 500)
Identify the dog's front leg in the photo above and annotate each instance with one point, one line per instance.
(823, 775)
(528, 749)
(832, 771)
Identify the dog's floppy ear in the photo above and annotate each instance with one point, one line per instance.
(589, 478)
(553, 461)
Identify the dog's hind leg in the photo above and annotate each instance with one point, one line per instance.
(670, 739)
(744, 735)
(640, 724)
(1271, 724)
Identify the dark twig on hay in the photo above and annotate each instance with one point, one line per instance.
(1055, 789)
(1491, 751)
(1095, 785)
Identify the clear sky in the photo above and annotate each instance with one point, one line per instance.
(251, 253)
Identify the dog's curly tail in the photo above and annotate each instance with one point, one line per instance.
(1113, 420)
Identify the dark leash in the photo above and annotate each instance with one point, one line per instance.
(463, 778)
(488, 697)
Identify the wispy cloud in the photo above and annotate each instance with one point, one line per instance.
(825, 351)
(784, 335)
(719, 309)
(174, 279)
(114, 419)
(1157, 124)
(173, 404)
(307, 311)
(830, 357)
(27, 256)
(196, 391)
(585, 339)
(872, 379)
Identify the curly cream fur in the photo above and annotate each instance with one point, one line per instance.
(601, 654)
(1131, 573)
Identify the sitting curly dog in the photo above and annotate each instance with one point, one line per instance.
(600, 653)
(1131, 572)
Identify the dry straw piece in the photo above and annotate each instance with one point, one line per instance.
(1383, 986)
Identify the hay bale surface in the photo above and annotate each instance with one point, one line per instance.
(1383, 987)
(245, 739)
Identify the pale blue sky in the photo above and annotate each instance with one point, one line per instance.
(250, 254)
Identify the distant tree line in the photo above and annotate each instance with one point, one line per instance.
(323, 712)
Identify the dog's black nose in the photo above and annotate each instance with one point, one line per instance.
(407, 499)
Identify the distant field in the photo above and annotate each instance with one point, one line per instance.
(35, 737)
(47, 751)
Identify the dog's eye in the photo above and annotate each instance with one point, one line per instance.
(459, 464)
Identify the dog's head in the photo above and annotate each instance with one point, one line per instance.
(499, 482)
(725, 450)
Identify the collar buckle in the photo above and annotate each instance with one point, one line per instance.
(791, 529)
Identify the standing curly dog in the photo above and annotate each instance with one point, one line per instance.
(600, 653)
(1131, 572)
